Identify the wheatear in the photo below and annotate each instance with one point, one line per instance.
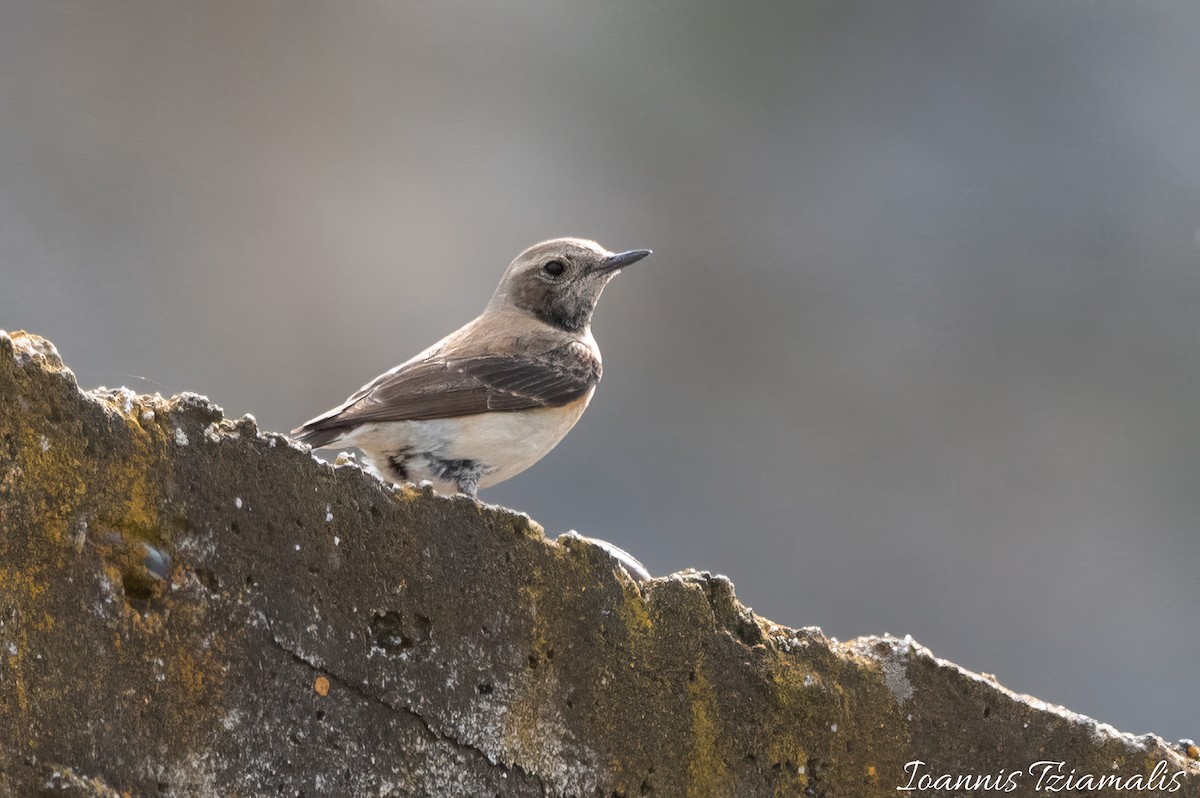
(490, 399)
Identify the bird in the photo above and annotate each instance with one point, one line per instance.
(493, 397)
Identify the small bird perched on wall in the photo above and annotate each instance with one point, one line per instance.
(490, 399)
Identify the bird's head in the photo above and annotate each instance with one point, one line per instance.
(559, 281)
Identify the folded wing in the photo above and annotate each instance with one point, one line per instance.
(446, 388)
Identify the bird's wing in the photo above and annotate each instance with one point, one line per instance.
(440, 387)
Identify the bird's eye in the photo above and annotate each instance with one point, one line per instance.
(554, 268)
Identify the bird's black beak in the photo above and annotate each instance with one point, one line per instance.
(622, 259)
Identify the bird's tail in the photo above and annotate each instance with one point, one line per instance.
(321, 431)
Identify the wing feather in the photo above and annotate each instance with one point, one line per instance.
(446, 388)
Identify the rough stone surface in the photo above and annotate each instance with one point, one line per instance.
(191, 607)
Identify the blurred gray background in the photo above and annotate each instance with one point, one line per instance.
(918, 350)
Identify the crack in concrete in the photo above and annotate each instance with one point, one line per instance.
(366, 695)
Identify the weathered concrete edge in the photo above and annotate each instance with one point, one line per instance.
(893, 656)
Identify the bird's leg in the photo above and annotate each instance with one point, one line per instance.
(465, 474)
(467, 478)
(469, 486)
